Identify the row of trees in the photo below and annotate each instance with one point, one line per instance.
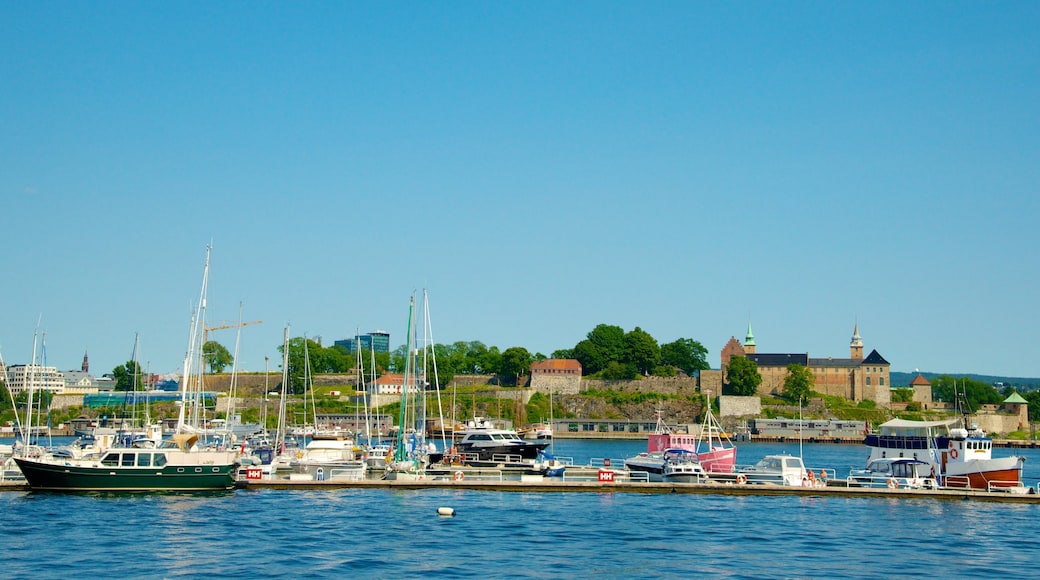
(611, 353)
(607, 351)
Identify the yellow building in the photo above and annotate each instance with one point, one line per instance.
(855, 378)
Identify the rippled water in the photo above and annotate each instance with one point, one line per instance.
(397, 533)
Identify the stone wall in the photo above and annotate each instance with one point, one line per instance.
(733, 406)
(558, 384)
(664, 385)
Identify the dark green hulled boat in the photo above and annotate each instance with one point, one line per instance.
(130, 469)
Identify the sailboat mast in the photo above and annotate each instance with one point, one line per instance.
(399, 452)
(193, 355)
(285, 391)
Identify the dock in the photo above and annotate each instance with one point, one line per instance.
(552, 485)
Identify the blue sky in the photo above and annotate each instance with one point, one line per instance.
(540, 167)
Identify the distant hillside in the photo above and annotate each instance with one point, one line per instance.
(903, 379)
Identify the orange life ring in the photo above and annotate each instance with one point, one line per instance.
(953, 453)
(741, 479)
(892, 483)
(459, 476)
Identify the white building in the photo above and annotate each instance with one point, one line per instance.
(41, 378)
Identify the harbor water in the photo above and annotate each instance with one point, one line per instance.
(391, 533)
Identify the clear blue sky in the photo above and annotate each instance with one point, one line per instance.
(540, 167)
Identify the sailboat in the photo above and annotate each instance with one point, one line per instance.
(178, 465)
(412, 453)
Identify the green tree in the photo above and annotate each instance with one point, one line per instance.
(128, 376)
(975, 393)
(686, 354)
(563, 353)
(516, 361)
(798, 383)
(641, 351)
(603, 345)
(617, 371)
(902, 395)
(217, 357)
(743, 376)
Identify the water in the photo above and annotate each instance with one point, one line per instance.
(396, 533)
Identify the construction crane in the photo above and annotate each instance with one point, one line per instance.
(223, 325)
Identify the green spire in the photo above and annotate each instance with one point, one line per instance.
(749, 340)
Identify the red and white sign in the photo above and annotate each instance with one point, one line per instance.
(254, 473)
(606, 476)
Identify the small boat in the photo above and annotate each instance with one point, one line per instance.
(682, 466)
(895, 472)
(775, 469)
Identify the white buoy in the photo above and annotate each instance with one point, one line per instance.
(446, 511)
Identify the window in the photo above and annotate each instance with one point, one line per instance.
(111, 460)
(144, 459)
(160, 459)
(128, 460)
(868, 381)
(881, 381)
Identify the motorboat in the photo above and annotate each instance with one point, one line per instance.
(483, 443)
(775, 469)
(682, 466)
(179, 468)
(894, 473)
(656, 465)
(961, 457)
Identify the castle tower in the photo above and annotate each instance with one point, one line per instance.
(749, 341)
(86, 364)
(856, 346)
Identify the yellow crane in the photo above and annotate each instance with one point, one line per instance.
(223, 325)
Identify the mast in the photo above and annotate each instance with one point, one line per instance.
(400, 451)
(193, 355)
(285, 390)
(429, 344)
(233, 389)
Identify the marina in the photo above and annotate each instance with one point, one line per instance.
(571, 528)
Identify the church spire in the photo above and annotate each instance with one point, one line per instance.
(86, 363)
(749, 340)
(856, 345)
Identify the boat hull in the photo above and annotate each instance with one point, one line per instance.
(58, 477)
(525, 449)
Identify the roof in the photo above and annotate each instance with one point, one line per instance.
(875, 359)
(779, 360)
(833, 362)
(390, 379)
(906, 423)
(920, 380)
(556, 364)
(1015, 398)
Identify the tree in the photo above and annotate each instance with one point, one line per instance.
(128, 376)
(975, 393)
(743, 376)
(516, 361)
(216, 356)
(798, 383)
(563, 353)
(609, 340)
(641, 351)
(686, 354)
